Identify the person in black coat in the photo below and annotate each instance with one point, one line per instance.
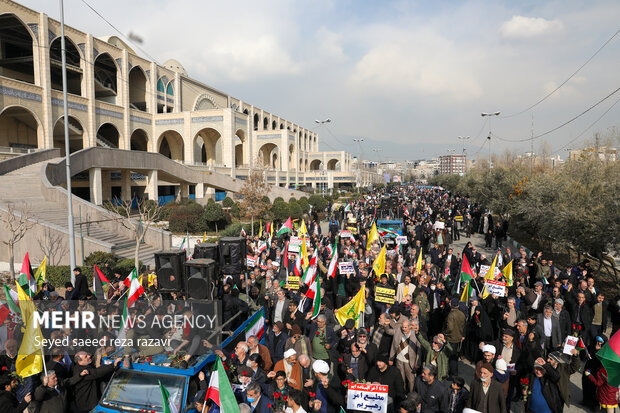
(387, 375)
(276, 341)
(433, 392)
(81, 285)
(259, 403)
(87, 391)
(52, 396)
(490, 400)
(548, 378)
(458, 395)
(8, 400)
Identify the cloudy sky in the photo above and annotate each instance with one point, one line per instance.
(407, 76)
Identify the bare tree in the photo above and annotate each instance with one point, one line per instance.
(53, 246)
(146, 213)
(252, 192)
(16, 222)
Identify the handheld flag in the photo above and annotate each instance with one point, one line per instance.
(12, 300)
(243, 234)
(379, 265)
(333, 264)
(270, 231)
(314, 292)
(100, 284)
(286, 227)
(418, 264)
(135, 288)
(489, 276)
(220, 390)
(466, 292)
(302, 228)
(352, 309)
(26, 278)
(167, 405)
(204, 237)
(304, 253)
(507, 273)
(609, 355)
(260, 229)
(29, 360)
(40, 274)
(373, 235)
(182, 246)
(467, 273)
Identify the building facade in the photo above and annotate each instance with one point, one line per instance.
(117, 99)
(452, 164)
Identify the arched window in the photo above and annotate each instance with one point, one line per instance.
(160, 86)
(170, 90)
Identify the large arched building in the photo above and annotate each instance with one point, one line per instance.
(118, 99)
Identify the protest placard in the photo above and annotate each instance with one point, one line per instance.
(293, 283)
(496, 287)
(346, 268)
(384, 295)
(484, 269)
(345, 234)
(367, 397)
(401, 239)
(569, 344)
(294, 244)
(250, 261)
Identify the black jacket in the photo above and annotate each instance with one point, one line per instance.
(390, 377)
(550, 391)
(50, 400)
(9, 403)
(434, 396)
(495, 399)
(87, 391)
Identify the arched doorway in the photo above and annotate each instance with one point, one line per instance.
(301, 164)
(315, 165)
(77, 138)
(170, 144)
(208, 147)
(269, 155)
(138, 85)
(19, 129)
(333, 164)
(105, 78)
(108, 136)
(291, 159)
(16, 52)
(139, 141)
(240, 148)
(74, 70)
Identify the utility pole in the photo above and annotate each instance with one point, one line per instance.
(483, 114)
(532, 146)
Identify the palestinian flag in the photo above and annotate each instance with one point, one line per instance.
(467, 273)
(256, 326)
(580, 346)
(167, 405)
(220, 390)
(610, 357)
(26, 277)
(135, 289)
(316, 301)
(286, 227)
(100, 284)
(12, 300)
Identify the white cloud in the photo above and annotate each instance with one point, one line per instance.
(520, 27)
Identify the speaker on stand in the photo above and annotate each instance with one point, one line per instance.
(232, 255)
(206, 250)
(169, 270)
(200, 279)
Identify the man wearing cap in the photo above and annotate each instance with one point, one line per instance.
(290, 366)
(486, 395)
(562, 315)
(542, 392)
(558, 361)
(299, 342)
(347, 337)
(385, 374)
(454, 332)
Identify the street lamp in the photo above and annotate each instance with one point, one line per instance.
(489, 137)
(320, 122)
(463, 138)
(359, 161)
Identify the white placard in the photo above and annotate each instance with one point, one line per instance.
(401, 239)
(367, 397)
(346, 268)
(569, 344)
(345, 234)
(484, 269)
(496, 287)
(250, 261)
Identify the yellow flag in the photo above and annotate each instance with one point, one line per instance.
(466, 292)
(373, 235)
(39, 275)
(204, 237)
(352, 309)
(29, 359)
(260, 229)
(304, 254)
(302, 228)
(489, 276)
(418, 264)
(152, 278)
(379, 265)
(271, 230)
(507, 272)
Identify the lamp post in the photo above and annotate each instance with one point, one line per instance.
(359, 162)
(320, 122)
(463, 138)
(489, 137)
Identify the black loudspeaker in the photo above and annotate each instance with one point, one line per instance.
(204, 250)
(200, 277)
(169, 270)
(232, 255)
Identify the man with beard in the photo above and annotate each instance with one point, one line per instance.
(8, 400)
(87, 391)
(434, 393)
(291, 368)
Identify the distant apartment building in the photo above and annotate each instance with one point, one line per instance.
(452, 164)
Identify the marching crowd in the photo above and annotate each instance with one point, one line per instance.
(424, 307)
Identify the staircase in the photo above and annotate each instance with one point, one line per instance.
(101, 141)
(24, 186)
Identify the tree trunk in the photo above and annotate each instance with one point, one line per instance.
(11, 261)
(216, 231)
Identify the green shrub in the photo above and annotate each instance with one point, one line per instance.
(235, 211)
(278, 199)
(100, 258)
(186, 218)
(303, 203)
(318, 202)
(280, 211)
(233, 230)
(295, 210)
(228, 202)
(266, 200)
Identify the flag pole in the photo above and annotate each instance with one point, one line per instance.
(43, 361)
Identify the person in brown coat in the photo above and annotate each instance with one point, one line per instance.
(257, 348)
(486, 395)
(290, 366)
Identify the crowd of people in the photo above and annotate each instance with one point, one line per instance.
(413, 337)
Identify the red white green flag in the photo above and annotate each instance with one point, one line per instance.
(333, 264)
(167, 405)
(220, 390)
(316, 301)
(256, 327)
(135, 289)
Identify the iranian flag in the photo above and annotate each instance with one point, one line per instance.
(26, 278)
(100, 282)
(315, 288)
(285, 257)
(384, 231)
(167, 405)
(333, 264)
(220, 391)
(242, 234)
(286, 227)
(406, 212)
(135, 288)
(256, 326)
(262, 247)
(12, 300)
(309, 275)
(298, 270)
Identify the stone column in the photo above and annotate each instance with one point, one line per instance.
(106, 186)
(125, 140)
(200, 190)
(94, 178)
(151, 185)
(42, 65)
(89, 91)
(125, 185)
